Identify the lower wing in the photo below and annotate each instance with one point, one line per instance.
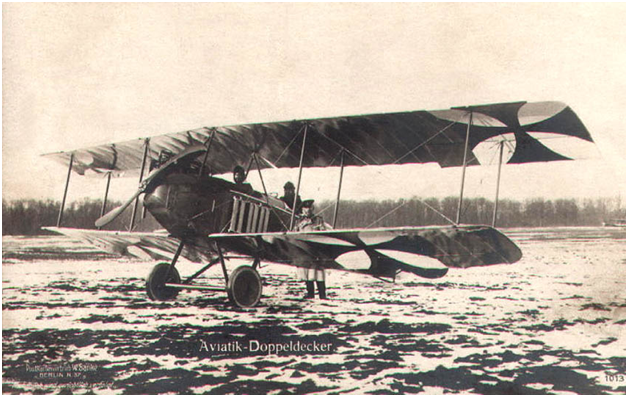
(156, 245)
(425, 251)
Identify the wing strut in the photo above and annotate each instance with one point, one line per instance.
(104, 200)
(65, 191)
(499, 174)
(296, 195)
(464, 167)
(342, 167)
(137, 199)
(208, 145)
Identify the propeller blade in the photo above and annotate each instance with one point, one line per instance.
(114, 213)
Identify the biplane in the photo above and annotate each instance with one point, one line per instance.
(207, 217)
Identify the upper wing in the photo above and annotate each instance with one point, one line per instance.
(134, 244)
(388, 249)
(377, 139)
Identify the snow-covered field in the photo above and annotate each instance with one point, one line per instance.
(76, 321)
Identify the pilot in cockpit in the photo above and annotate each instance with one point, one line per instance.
(288, 195)
(239, 176)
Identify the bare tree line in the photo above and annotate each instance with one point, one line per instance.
(511, 213)
(26, 217)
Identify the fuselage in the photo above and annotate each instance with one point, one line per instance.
(191, 207)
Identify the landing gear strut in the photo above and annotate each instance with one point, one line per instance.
(163, 274)
(243, 285)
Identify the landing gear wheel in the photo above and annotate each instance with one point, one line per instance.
(155, 284)
(244, 287)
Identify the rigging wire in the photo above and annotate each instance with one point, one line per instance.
(492, 161)
(426, 141)
(341, 146)
(437, 211)
(403, 202)
(379, 172)
(289, 144)
(419, 146)
(466, 206)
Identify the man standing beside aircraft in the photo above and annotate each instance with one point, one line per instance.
(312, 274)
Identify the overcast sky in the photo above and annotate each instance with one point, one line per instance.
(76, 75)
